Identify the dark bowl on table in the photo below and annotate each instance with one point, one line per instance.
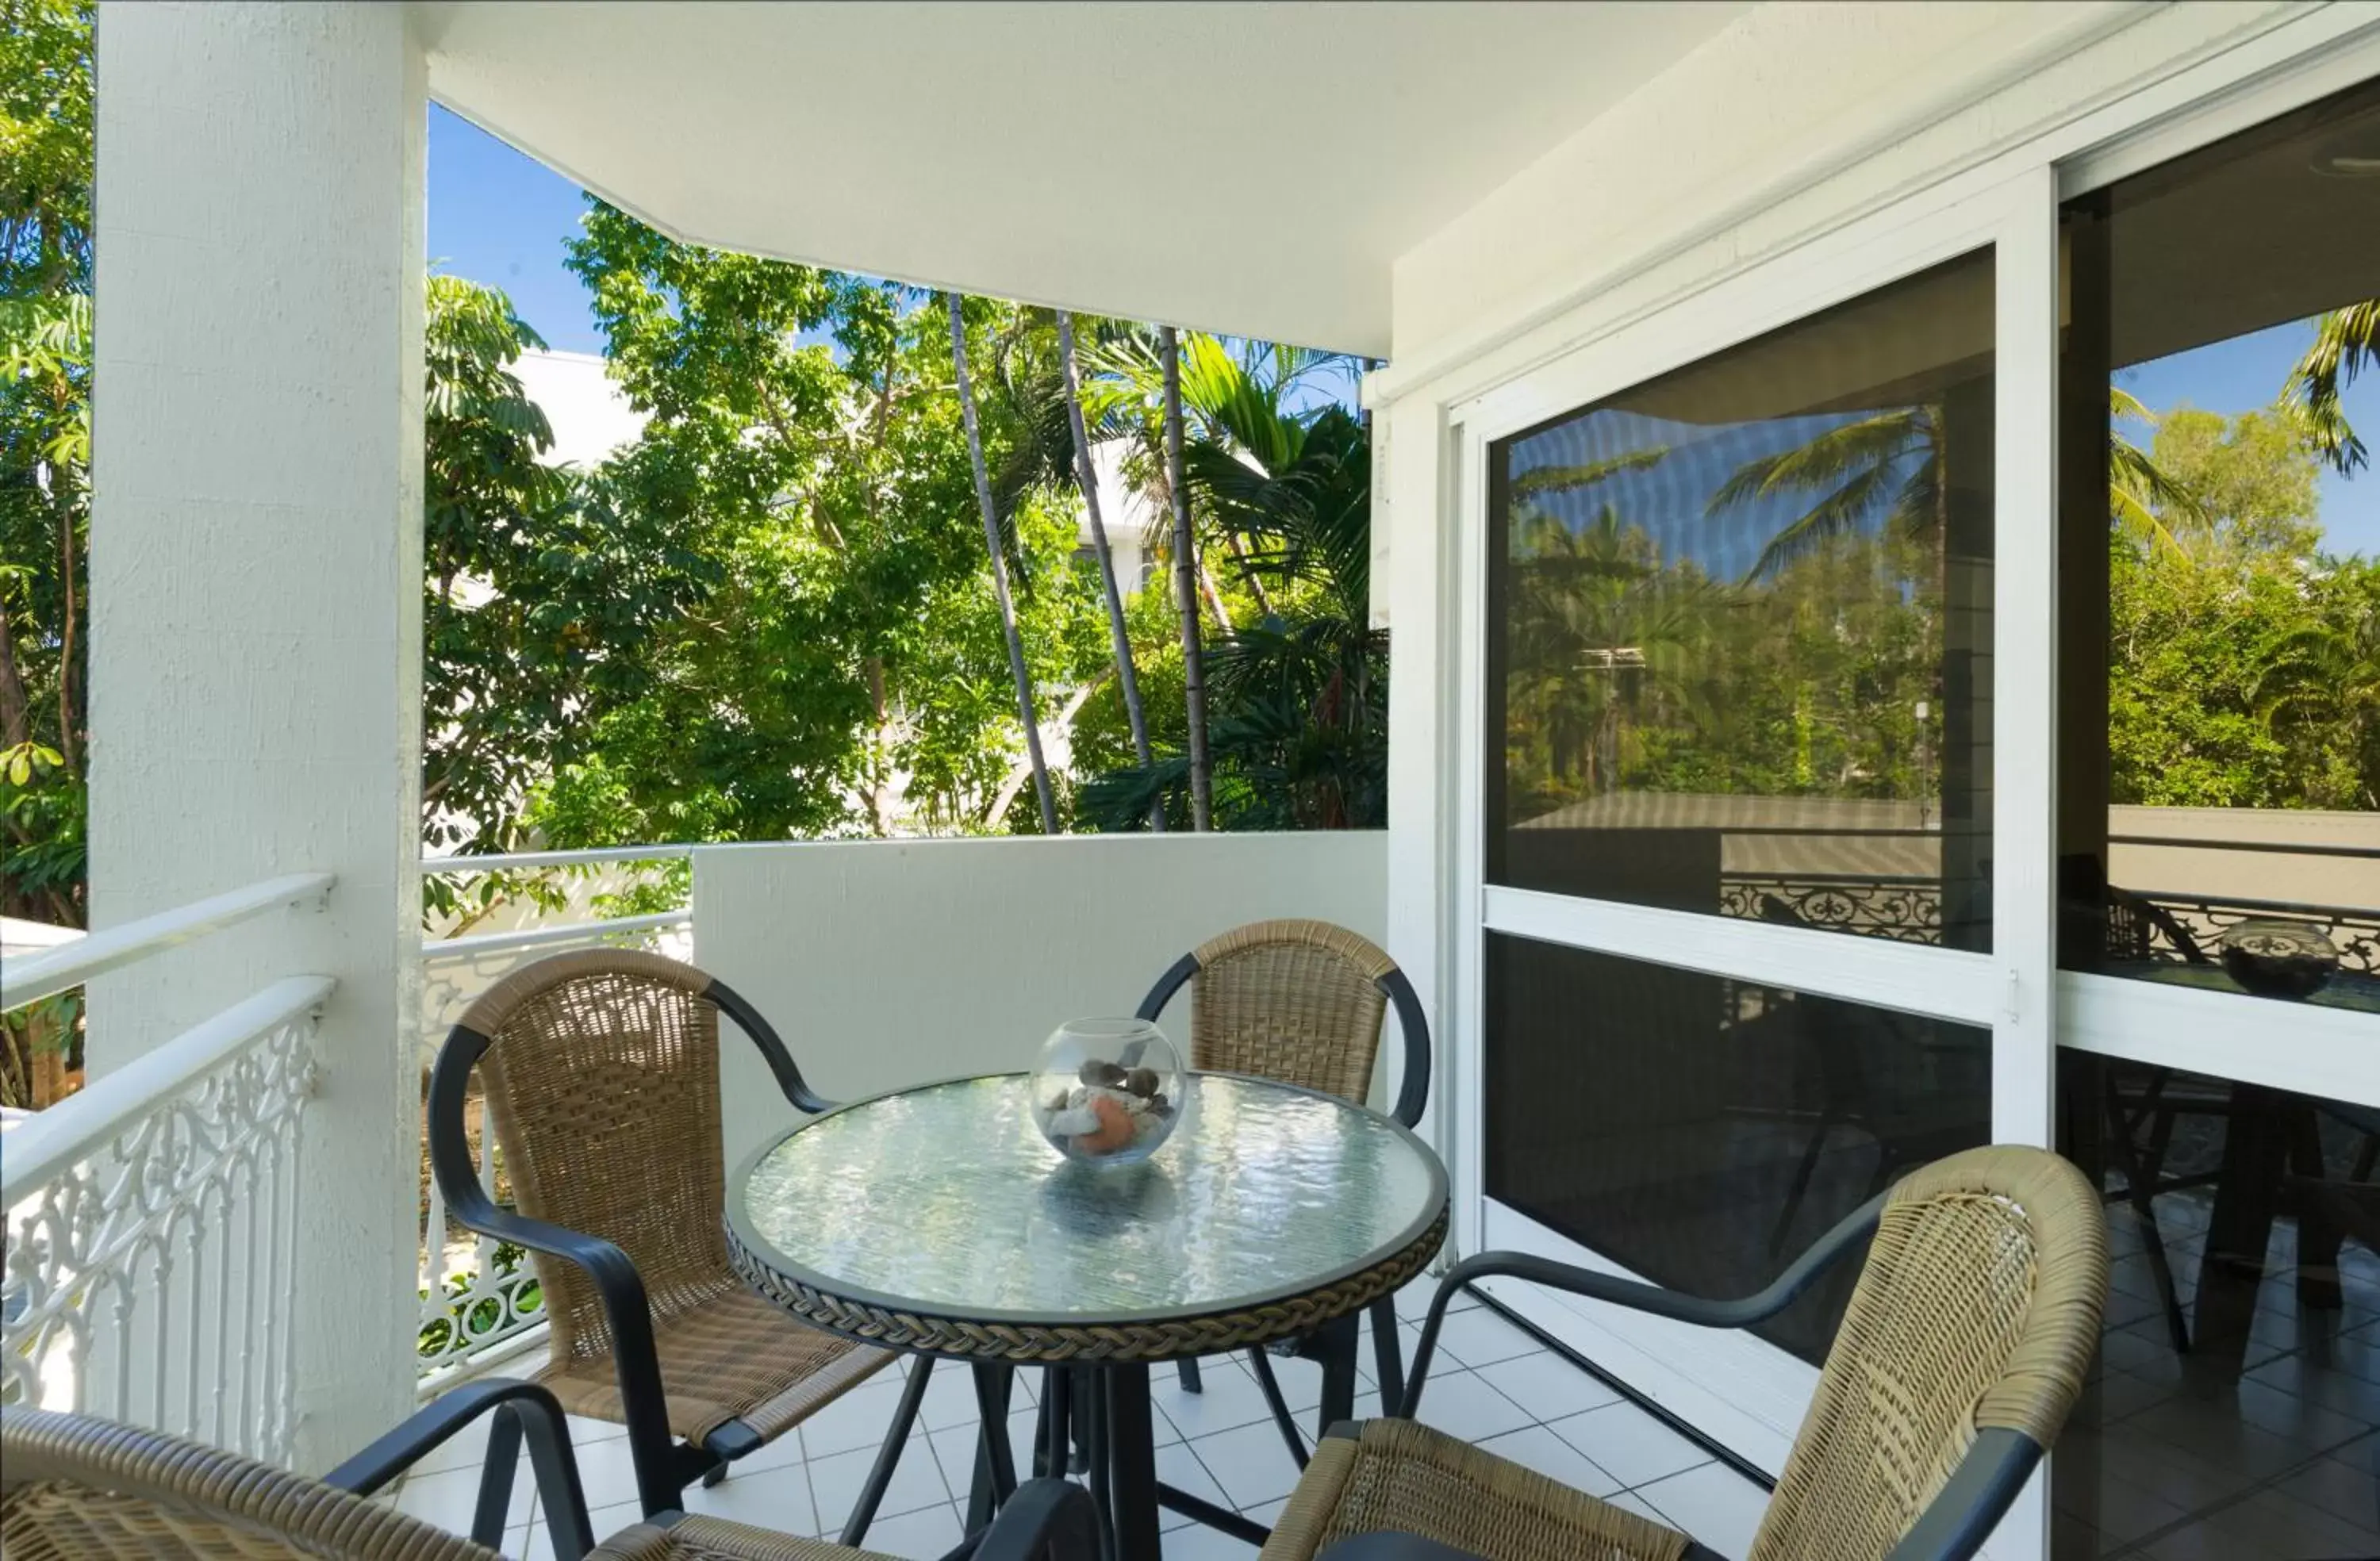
(2279, 959)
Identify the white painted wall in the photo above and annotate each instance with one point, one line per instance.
(1790, 120)
(256, 586)
(893, 962)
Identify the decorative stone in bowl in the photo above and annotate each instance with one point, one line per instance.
(1106, 1091)
(2278, 959)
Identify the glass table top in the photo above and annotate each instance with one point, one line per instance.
(946, 1198)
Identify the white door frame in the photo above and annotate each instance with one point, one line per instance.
(1766, 1390)
(2017, 989)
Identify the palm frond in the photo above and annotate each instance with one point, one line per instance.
(2345, 341)
(1566, 479)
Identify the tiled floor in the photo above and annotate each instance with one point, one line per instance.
(2270, 1450)
(1491, 1384)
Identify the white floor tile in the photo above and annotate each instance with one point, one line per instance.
(766, 1498)
(1535, 1447)
(1442, 1359)
(585, 1429)
(955, 1451)
(1460, 1404)
(448, 1497)
(950, 1398)
(608, 1475)
(1231, 1398)
(1413, 1301)
(1267, 1513)
(1199, 1542)
(1301, 1383)
(1715, 1503)
(1178, 1465)
(923, 1535)
(836, 1482)
(1634, 1446)
(463, 1450)
(1630, 1502)
(1251, 1463)
(1480, 1338)
(1547, 1386)
(859, 1419)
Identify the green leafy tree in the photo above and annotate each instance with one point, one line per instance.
(1298, 732)
(542, 585)
(2250, 480)
(45, 275)
(804, 440)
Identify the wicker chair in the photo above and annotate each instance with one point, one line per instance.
(1964, 1347)
(602, 1071)
(77, 1489)
(1302, 1002)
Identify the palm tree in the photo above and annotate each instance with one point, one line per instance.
(1598, 630)
(2140, 494)
(1894, 460)
(2345, 340)
(1086, 479)
(1017, 668)
(1186, 578)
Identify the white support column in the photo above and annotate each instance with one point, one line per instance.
(256, 585)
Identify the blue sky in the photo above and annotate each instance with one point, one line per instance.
(2246, 372)
(500, 219)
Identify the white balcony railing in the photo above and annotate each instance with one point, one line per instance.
(152, 1218)
(479, 1298)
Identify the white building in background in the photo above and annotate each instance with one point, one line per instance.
(590, 415)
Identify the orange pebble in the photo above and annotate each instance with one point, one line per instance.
(1115, 1127)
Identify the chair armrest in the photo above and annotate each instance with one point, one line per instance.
(1779, 1293)
(523, 1408)
(1177, 972)
(1412, 1089)
(772, 1047)
(1047, 1519)
(1973, 1501)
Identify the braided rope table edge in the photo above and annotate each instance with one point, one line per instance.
(1174, 1339)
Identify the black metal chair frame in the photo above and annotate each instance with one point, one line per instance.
(1042, 1520)
(1335, 1345)
(664, 1467)
(1953, 1526)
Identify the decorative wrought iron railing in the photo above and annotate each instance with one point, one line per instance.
(2354, 931)
(1906, 909)
(479, 1298)
(1910, 910)
(151, 1219)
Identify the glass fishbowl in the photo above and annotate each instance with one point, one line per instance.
(1106, 1091)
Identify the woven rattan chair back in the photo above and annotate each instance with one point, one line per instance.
(1979, 1307)
(602, 1079)
(74, 1489)
(1298, 1001)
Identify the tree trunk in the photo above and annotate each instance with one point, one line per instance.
(1016, 669)
(1186, 587)
(1087, 478)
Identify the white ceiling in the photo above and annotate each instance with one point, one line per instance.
(1248, 168)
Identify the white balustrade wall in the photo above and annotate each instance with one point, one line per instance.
(892, 962)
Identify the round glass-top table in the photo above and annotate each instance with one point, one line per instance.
(938, 1220)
